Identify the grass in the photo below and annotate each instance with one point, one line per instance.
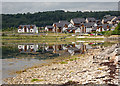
(71, 59)
(33, 80)
(64, 62)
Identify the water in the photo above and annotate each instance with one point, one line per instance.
(17, 57)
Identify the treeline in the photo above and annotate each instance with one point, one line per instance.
(42, 19)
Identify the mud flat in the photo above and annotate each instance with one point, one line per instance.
(98, 66)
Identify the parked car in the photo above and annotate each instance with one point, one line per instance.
(91, 34)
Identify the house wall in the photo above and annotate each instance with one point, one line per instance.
(87, 21)
(70, 25)
(78, 30)
(88, 29)
(64, 29)
(31, 30)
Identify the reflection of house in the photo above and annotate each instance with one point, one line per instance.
(75, 48)
(53, 48)
(27, 48)
(27, 29)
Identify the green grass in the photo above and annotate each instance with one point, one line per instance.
(71, 59)
(64, 62)
(33, 80)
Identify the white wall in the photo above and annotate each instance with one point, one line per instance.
(77, 31)
(88, 29)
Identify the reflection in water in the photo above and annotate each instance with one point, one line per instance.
(46, 51)
(72, 49)
(27, 48)
(16, 57)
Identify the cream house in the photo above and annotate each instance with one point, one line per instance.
(27, 29)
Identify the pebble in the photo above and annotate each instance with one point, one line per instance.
(84, 71)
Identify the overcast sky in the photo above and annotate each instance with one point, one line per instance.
(59, 0)
(24, 7)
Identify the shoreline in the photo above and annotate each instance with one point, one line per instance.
(83, 70)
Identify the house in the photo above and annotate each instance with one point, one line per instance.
(49, 28)
(90, 20)
(89, 26)
(77, 21)
(73, 29)
(116, 20)
(108, 19)
(27, 29)
(61, 26)
(104, 27)
(98, 22)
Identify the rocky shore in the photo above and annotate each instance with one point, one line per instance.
(98, 66)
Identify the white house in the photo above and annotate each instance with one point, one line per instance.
(27, 29)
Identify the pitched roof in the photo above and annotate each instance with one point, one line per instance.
(104, 26)
(109, 18)
(59, 25)
(91, 19)
(118, 17)
(95, 28)
(78, 20)
(62, 23)
(90, 24)
(27, 26)
(72, 28)
(49, 26)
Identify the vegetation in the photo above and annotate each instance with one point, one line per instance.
(114, 32)
(41, 19)
(33, 80)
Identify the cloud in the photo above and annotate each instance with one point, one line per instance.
(24, 7)
(60, 0)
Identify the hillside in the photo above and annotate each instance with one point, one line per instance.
(42, 19)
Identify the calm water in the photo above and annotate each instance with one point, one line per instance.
(16, 57)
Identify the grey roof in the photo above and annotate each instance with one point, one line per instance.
(118, 17)
(90, 24)
(78, 20)
(104, 26)
(73, 48)
(62, 23)
(95, 28)
(59, 25)
(72, 28)
(98, 22)
(27, 26)
(55, 23)
(91, 19)
(49, 26)
(109, 18)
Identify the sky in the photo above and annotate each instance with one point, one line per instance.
(12, 7)
(59, 0)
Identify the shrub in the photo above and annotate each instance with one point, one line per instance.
(64, 62)
(3, 34)
(36, 80)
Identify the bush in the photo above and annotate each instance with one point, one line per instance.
(117, 30)
(3, 34)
